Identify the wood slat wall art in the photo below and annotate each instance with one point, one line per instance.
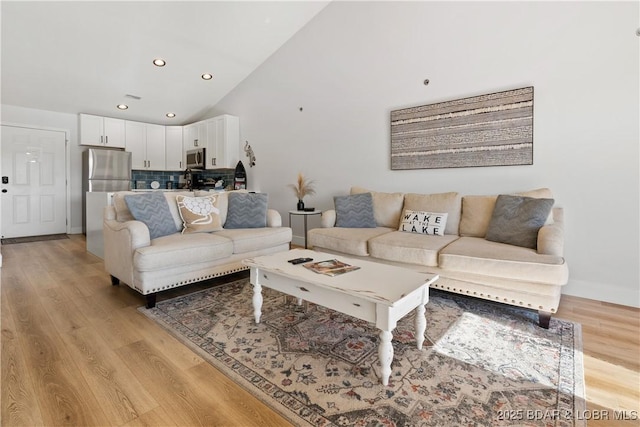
(487, 130)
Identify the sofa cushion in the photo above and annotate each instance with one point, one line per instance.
(517, 219)
(247, 210)
(199, 214)
(432, 223)
(476, 255)
(351, 241)
(477, 211)
(387, 207)
(355, 211)
(255, 239)
(409, 247)
(153, 210)
(443, 202)
(180, 250)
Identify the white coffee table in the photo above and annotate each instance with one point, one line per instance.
(378, 293)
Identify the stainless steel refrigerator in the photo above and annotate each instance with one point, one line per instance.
(103, 172)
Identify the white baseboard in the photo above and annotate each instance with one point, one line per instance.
(76, 230)
(605, 292)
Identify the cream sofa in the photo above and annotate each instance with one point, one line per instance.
(467, 263)
(153, 265)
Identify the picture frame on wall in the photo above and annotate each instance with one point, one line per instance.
(495, 129)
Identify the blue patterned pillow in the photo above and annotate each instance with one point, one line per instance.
(355, 211)
(247, 210)
(152, 209)
(517, 219)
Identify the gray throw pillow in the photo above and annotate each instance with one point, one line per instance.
(247, 210)
(152, 209)
(517, 219)
(355, 211)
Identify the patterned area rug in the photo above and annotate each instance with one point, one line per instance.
(483, 363)
(29, 239)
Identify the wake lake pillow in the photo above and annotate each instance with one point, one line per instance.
(153, 210)
(355, 211)
(517, 219)
(423, 222)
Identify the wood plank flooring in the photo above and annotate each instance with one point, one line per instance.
(75, 351)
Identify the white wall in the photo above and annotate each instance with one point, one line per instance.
(60, 121)
(355, 62)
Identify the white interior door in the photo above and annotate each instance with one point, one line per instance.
(33, 182)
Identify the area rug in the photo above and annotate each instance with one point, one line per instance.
(482, 364)
(29, 239)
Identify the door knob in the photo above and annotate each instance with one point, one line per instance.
(4, 190)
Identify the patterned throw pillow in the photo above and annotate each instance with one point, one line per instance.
(431, 223)
(247, 210)
(152, 209)
(517, 219)
(199, 214)
(355, 211)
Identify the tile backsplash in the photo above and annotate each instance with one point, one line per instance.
(142, 179)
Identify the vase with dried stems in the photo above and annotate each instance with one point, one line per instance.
(303, 187)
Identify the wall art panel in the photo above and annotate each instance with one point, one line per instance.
(486, 130)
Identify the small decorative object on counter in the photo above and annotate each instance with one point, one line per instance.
(303, 187)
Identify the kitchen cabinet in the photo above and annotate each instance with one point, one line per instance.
(223, 142)
(195, 136)
(146, 142)
(220, 136)
(174, 154)
(102, 131)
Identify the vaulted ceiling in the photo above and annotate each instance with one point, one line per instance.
(89, 57)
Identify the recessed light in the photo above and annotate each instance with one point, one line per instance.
(122, 107)
(206, 76)
(159, 62)
(170, 115)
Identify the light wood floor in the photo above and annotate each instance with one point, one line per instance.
(75, 351)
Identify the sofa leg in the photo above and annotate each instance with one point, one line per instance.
(151, 300)
(115, 281)
(543, 319)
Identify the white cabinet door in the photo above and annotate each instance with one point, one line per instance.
(223, 143)
(102, 131)
(91, 130)
(211, 152)
(228, 141)
(195, 135)
(114, 131)
(173, 152)
(155, 147)
(136, 143)
(189, 136)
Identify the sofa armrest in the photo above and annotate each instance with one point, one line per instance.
(328, 219)
(274, 219)
(121, 239)
(551, 236)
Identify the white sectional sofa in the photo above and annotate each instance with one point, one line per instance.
(153, 265)
(466, 261)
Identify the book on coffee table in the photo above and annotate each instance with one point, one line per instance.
(331, 267)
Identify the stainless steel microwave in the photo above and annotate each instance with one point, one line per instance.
(196, 159)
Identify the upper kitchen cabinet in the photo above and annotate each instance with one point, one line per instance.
(146, 142)
(173, 151)
(223, 142)
(102, 131)
(195, 136)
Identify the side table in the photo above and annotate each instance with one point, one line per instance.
(305, 214)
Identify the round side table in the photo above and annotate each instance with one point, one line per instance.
(305, 214)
